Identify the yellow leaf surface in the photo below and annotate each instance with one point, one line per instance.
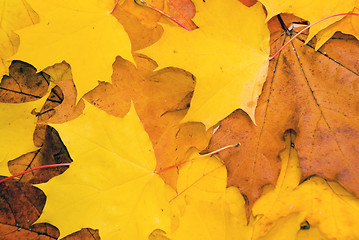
(110, 185)
(14, 15)
(324, 204)
(285, 227)
(17, 126)
(348, 25)
(228, 58)
(309, 10)
(210, 211)
(84, 34)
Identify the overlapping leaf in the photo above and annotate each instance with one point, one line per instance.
(17, 126)
(161, 99)
(228, 58)
(84, 34)
(111, 181)
(311, 11)
(348, 25)
(209, 210)
(20, 205)
(322, 204)
(309, 92)
(14, 15)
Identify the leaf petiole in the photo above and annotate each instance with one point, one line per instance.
(145, 4)
(33, 169)
(204, 155)
(296, 35)
(114, 7)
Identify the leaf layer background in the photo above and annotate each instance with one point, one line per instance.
(295, 96)
(221, 85)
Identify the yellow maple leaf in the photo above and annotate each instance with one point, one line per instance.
(309, 10)
(228, 54)
(323, 204)
(209, 209)
(348, 25)
(14, 15)
(111, 185)
(17, 126)
(84, 34)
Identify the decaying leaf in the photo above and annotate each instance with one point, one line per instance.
(52, 151)
(83, 234)
(23, 84)
(112, 159)
(313, 93)
(85, 35)
(68, 109)
(229, 63)
(20, 205)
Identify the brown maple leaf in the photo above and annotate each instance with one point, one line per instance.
(20, 205)
(315, 93)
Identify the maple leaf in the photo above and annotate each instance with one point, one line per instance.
(327, 206)
(230, 63)
(61, 75)
(84, 35)
(14, 15)
(20, 205)
(311, 11)
(161, 99)
(17, 128)
(23, 84)
(52, 151)
(209, 209)
(295, 96)
(347, 25)
(112, 159)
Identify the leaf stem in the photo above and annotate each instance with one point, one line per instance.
(35, 168)
(296, 35)
(207, 154)
(113, 9)
(145, 4)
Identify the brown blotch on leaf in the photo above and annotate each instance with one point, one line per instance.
(21, 205)
(23, 84)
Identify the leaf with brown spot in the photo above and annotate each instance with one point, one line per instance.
(23, 84)
(52, 152)
(315, 94)
(20, 205)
